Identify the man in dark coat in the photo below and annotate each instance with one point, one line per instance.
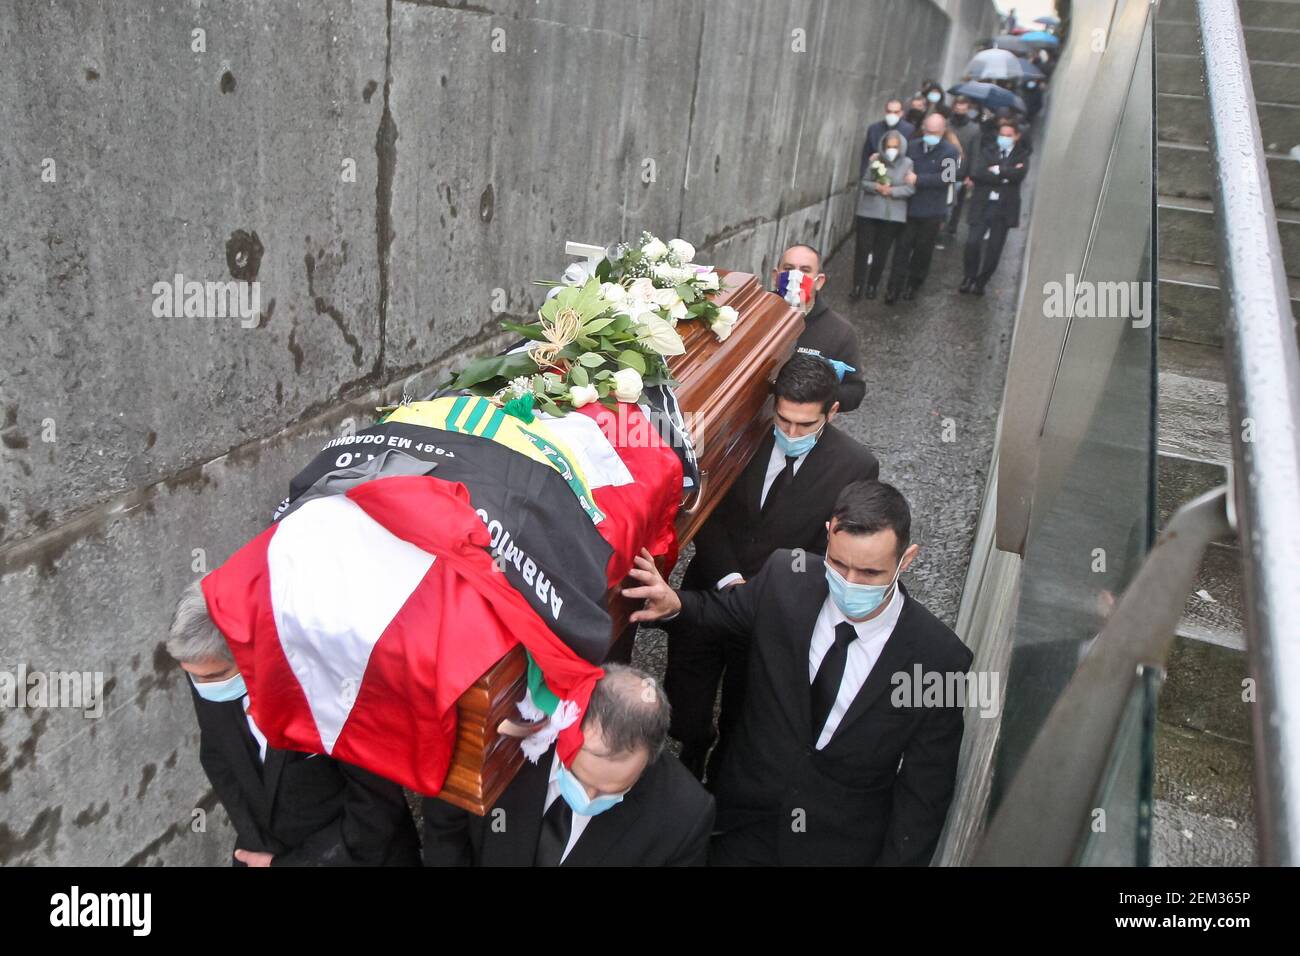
(782, 499)
(876, 131)
(936, 163)
(839, 759)
(998, 171)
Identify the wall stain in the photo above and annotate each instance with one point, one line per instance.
(146, 777)
(369, 90)
(486, 204)
(91, 815)
(26, 752)
(43, 830)
(227, 82)
(207, 804)
(386, 156)
(244, 254)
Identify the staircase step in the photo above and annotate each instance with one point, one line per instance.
(1183, 837)
(1180, 479)
(1204, 774)
(1190, 306)
(1184, 73)
(1282, 14)
(1263, 44)
(1183, 169)
(1192, 403)
(1217, 616)
(1181, 118)
(1188, 232)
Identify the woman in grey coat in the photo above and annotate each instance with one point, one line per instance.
(882, 211)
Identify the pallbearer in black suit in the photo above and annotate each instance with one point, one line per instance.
(783, 499)
(288, 808)
(836, 759)
(997, 171)
(622, 802)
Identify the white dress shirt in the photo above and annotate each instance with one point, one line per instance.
(775, 465)
(254, 729)
(552, 794)
(862, 656)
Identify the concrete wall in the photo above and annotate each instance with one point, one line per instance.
(136, 452)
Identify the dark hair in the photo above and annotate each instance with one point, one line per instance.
(631, 710)
(807, 378)
(895, 99)
(813, 249)
(1009, 121)
(866, 507)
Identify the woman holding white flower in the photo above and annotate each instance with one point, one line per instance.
(882, 211)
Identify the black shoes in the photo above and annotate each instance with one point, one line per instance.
(856, 294)
(977, 288)
(871, 292)
(891, 295)
(967, 285)
(909, 294)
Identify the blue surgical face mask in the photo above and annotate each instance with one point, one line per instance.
(795, 447)
(934, 96)
(856, 601)
(930, 139)
(1006, 142)
(575, 795)
(220, 691)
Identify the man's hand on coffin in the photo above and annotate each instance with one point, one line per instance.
(661, 601)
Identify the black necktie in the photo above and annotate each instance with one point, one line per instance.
(783, 478)
(557, 823)
(826, 685)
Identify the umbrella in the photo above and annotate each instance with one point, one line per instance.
(1049, 20)
(994, 65)
(1012, 43)
(1040, 38)
(993, 97)
(1032, 72)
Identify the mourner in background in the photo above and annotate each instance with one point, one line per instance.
(933, 93)
(623, 802)
(998, 171)
(936, 163)
(825, 332)
(287, 808)
(782, 499)
(893, 122)
(834, 760)
(917, 108)
(882, 212)
(963, 123)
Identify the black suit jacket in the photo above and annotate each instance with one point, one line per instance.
(664, 820)
(738, 537)
(857, 804)
(1005, 182)
(827, 333)
(307, 809)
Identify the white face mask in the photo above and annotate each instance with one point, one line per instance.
(891, 154)
(891, 119)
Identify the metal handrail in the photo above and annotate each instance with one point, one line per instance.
(1042, 821)
(1263, 374)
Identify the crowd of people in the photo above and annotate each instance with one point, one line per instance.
(792, 608)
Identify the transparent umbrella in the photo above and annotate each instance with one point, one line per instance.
(994, 65)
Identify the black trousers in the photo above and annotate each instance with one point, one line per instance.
(874, 237)
(697, 660)
(955, 218)
(913, 253)
(982, 255)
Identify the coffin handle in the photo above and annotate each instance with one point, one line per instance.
(698, 497)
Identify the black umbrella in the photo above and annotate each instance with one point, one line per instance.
(992, 96)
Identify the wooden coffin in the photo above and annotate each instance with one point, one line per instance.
(724, 392)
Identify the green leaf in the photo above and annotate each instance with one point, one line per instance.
(587, 342)
(604, 374)
(687, 292)
(495, 366)
(549, 406)
(592, 359)
(621, 323)
(631, 358)
(595, 325)
(533, 332)
(578, 376)
(602, 270)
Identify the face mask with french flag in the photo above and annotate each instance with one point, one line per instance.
(795, 287)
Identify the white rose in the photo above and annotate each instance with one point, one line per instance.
(627, 385)
(643, 290)
(678, 311)
(682, 249)
(724, 323)
(709, 280)
(612, 292)
(659, 335)
(666, 298)
(583, 395)
(654, 250)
